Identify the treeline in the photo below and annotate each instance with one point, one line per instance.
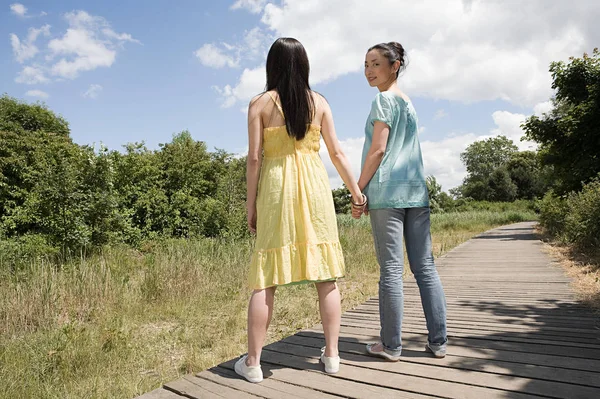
(569, 138)
(58, 197)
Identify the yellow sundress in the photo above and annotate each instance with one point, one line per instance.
(296, 231)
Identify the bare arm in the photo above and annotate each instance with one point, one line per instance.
(338, 158)
(381, 131)
(253, 161)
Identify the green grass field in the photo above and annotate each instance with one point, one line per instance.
(120, 323)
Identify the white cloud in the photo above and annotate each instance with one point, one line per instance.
(256, 42)
(18, 9)
(123, 37)
(439, 114)
(32, 75)
(86, 52)
(442, 159)
(254, 6)
(543, 108)
(509, 125)
(37, 93)
(24, 50)
(213, 57)
(464, 50)
(89, 43)
(93, 91)
(251, 83)
(250, 48)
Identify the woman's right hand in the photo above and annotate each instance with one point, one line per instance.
(357, 212)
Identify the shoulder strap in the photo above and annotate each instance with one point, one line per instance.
(276, 104)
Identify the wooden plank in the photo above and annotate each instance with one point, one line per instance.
(514, 316)
(310, 375)
(491, 342)
(498, 309)
(544, 332)
(590, 333)
(507, 320)
(576, 345)
(159, 393)
(515, 305)
(415, 353)
(459, 349)
(194, 387)
(268, 388)
(437, 373)
(364, 375)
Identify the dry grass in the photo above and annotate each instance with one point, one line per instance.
(583, 268)
(121, 323)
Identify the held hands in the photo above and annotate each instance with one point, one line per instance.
(358, 208)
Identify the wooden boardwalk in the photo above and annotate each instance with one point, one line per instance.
(515, 331)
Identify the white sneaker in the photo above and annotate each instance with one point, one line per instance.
(438, 351)
(332, 364)
(251, 373)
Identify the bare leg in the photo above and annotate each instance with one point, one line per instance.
(331, 315)
(260, 310)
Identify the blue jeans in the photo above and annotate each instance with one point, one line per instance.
(389, 225)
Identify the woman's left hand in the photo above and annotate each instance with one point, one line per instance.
(252, 219)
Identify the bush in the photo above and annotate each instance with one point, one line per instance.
(464, 205)
(582, 224)
(19, 252)
(576, 218)
(553, 211)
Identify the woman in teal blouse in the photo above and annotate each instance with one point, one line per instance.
(393, 180)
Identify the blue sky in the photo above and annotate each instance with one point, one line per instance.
(120, 72)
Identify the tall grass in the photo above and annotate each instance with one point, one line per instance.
(121, 323)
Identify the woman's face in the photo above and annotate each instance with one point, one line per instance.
(378, 69)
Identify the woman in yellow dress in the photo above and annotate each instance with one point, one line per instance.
(290, 204)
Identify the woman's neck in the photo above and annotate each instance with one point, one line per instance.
(390, 85)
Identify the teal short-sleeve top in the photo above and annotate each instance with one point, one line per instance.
(399, 182)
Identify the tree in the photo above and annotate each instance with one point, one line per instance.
(569, 136)
(341, 199)
(191, 184)
(482, 157)
(501, 185)
(527, 173)
(39, 168)
(439, 201)
(17, 116)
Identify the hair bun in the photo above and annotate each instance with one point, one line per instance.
(398, 47)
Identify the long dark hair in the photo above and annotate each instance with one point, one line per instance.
(287, 73)
(393, 51)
